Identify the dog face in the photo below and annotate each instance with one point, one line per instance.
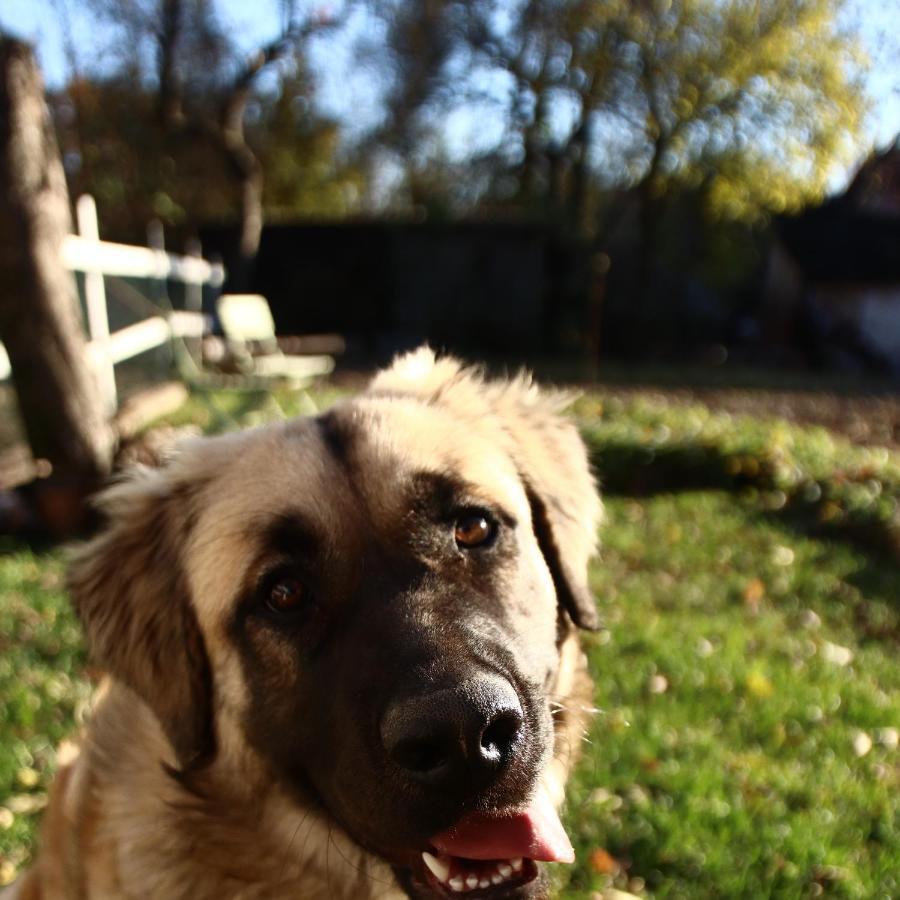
(371, 603)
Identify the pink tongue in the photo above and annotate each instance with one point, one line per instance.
(534, 833)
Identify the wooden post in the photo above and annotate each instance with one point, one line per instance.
(193, 301)
(95, 303)
(40, 322)
(193, 291)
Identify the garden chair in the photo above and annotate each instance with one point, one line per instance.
(249, 331)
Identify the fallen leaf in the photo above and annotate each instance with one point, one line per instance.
(782, 556)
(835, 653)
(7, 872)
(759, 686)
(829, 511)
(810, 619)
(754, 592)
(26, 804)
(27, 777)
(603, 863)
(603, 797)
(862, 743)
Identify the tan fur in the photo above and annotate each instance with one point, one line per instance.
(118, 824)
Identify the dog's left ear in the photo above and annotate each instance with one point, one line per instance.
(130, 590)
(548, 452)
(565, 507)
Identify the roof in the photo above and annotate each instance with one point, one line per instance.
(854, 237)
(833, 244)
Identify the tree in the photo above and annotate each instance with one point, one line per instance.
(301, 155)
(683, 91)
(621, 113)
(40, 325)
(618, 121)
(138, 171)
(183, 84)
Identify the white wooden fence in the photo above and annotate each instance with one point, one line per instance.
(85, 252)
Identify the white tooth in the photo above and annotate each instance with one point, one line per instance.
(439, 868)
(505, 869)
(456, 883)
(484, 883)
(516, 864)
(472, 882)
(497, 878)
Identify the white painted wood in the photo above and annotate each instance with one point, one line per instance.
(193, 295)
(149, 333)
(85, 252)
(95, 304)
(127, 260)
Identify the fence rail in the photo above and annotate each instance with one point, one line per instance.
(85, 252)
(82, 254)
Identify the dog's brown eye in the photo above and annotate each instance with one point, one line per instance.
(473, 530)
(286, 595)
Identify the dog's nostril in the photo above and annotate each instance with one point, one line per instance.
(419, 755)
(501, 733)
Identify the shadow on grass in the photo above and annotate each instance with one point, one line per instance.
(818, 508)
(638, 470)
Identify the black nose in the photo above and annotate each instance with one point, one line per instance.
(467, 732)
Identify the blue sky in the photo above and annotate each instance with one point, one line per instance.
(352, 96)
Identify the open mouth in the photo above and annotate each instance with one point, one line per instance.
(490, 854)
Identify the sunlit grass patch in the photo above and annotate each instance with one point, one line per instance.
(43, 689)
(747, 743)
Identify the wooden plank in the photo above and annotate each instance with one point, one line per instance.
(125, 260)
(149, 333)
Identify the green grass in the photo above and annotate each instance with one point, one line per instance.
(43, 689)
(822, 481)
(750, 654)
(723, 761)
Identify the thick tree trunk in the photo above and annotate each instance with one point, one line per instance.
(40, 322)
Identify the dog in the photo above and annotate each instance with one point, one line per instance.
(342, 655)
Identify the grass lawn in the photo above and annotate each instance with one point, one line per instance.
(748, 680)
(746, 744)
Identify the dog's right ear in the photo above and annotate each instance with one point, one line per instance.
(130, 589)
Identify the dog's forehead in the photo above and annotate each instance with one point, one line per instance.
(351, 470)
(385, 442)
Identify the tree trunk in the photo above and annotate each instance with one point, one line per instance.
(579, 191)
(249, 173)
(648, 239)
(40, 321)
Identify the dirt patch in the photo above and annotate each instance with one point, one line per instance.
(863, 418)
